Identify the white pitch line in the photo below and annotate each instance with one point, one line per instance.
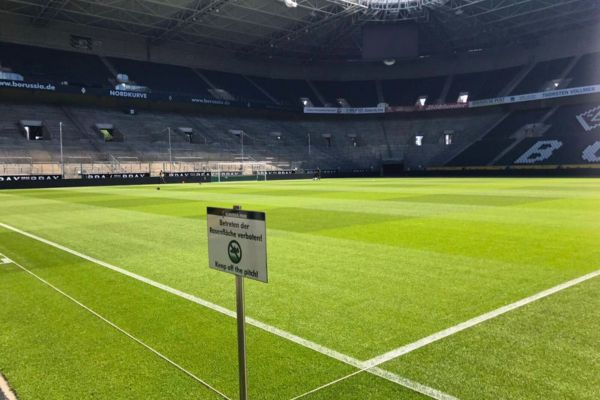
(123, 331)
(6, 390)
(418, 387)
(4, 259)
(371, 365)
(400, 351)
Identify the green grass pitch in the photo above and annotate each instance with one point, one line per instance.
(359, 266)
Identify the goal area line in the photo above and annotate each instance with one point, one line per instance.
(375, 362)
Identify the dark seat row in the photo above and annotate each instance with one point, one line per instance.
(81, 69)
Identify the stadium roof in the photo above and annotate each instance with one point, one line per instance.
(306, 30)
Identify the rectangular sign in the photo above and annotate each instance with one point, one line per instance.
(186, 174)
(344, 110)
(138, 175)
(550, 94)
(21, 178)
(237, 242)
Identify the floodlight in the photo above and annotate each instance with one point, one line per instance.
(421, 101)
(290, 3)
(463, 98)
(342, 102)
(389, 62)
(448, 139)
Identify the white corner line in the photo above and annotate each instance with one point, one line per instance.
(400, 351)
(415, 386)
(6, 390)
(123, 331)
(4, 259)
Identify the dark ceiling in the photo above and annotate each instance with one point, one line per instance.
(316, 29)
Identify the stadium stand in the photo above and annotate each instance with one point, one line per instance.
(161, 77)
(404, 92)
(585, 71)
(496, 136)
(480, 85)
(356, 93)
(237, 85)
(287, 91)
(564, 135)
(515, 121)
(500, 137)
(335, 142)
(481, 152)
(543, 73)
(572, 130)
(41, 64)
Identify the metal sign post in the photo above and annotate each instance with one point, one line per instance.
(237, 245)
(241, 331)
(170, 152)
(62, 160)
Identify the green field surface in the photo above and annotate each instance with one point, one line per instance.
(357, 268)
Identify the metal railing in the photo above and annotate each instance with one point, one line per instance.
(84, 166)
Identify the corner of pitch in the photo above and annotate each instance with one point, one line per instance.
(5, 260)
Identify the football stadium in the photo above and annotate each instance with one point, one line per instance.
(300, 199)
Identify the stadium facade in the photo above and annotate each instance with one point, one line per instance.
(78, 101)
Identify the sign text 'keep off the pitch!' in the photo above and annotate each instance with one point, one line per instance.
(237, 242)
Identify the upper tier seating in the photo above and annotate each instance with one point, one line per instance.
(357, 93)
(481, 85)
(542, 73)
(287, 91)
(586, 71)
(237, 85)
(161, 77)
(404, 92)
(41, 64)
(81, 69)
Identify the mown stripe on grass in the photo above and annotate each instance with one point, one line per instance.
(547, 350)
(124, 332)
(400, 351)
(196, 337)
(372, 364)
(415, 386)
(52, 349)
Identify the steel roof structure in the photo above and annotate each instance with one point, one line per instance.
(305, 30)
